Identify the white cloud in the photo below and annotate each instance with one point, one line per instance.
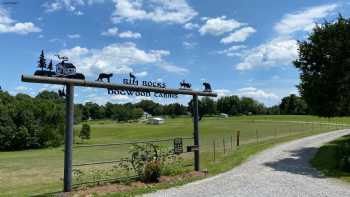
(175, 11)
(189, 45)
(240, 35)
(218, 26)
(190, 26)
(73, 36)
(69, 5)
(22, 88)
(114, 31)
(116, 58)
(173, 69)
(277, 52)
(303, 20)
(141, 74)
(130, 34)
(232, 51)
(262, 96)
(283, 49)
(9, 25)
(110, 32)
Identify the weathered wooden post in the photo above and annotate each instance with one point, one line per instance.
(196, 133)
(68, 138)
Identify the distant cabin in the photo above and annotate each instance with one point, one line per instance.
(223, 115)
(156, 121)
(146, 115)
(64, 68)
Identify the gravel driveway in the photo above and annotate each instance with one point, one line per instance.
(282, 171)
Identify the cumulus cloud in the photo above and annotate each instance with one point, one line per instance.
(303, 20)
(175, 11)
(116, 58)
(114, 31)
(189, 45)
(69, 5)
(190, 26)
(262, 96)
(284, 49)
(73, 36)
(232, 51)
(129, 34)
(240, 35)
(9, 25)
(111, 32)
(218, 26)
(277, 52)
(141, 74)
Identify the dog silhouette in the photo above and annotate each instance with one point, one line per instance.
(104, 76)
(207, 87)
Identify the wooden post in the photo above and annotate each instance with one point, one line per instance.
(231, 143)
(237, 139)
(68, 138)
(257, 136)
(214, 150)
(223, 142)
(196, 133)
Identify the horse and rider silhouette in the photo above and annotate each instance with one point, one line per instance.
(185, 85)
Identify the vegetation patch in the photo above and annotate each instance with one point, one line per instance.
(333, 159)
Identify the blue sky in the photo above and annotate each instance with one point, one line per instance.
(241, 47)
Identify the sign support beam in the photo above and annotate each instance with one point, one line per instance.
(68, 138)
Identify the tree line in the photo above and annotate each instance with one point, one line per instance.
(35, 122)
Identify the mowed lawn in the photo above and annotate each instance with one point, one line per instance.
(33, 172)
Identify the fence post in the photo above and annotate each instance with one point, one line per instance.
(237, 139)
(214, 150)
(223, 142)
(275, 132)
(257, 135)
(231, 143)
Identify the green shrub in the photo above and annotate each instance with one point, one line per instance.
(85, 132)
(152, 171)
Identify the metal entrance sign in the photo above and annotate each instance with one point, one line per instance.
(178, 146)
(66, 75)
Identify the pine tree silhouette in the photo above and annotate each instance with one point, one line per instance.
(42, 61)
(50, 67)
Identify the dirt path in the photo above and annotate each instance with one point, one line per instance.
(282, 171)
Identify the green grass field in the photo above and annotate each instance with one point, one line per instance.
(31, 172)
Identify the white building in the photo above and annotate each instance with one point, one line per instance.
(156, 121)
(223, 115)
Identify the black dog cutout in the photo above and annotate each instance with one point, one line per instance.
(104, 76)
(207, 87)
(185, 85)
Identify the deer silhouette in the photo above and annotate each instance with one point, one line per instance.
(133, 77)
(207, 87)
(63, 58)
(102, 76)
(184, 84)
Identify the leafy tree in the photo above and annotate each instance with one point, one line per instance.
(42, 61)
(293, 105)
(85, 132)
(324, 64)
